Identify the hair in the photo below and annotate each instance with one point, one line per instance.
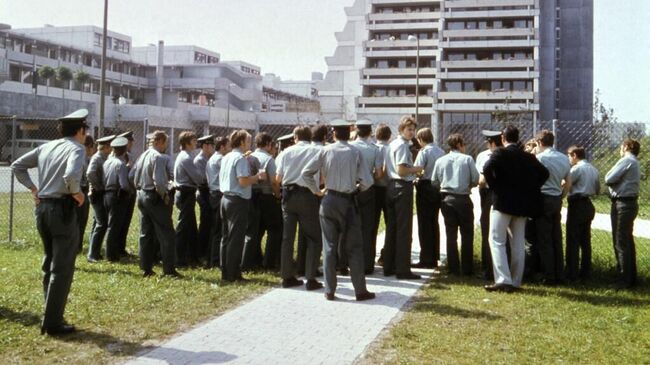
(238, 138)
(70, 129)
(364, 131)
(496, 140)
(303, 133)
(263, 140)
(425, 135)
(221, 142)
(119, 151)
(455, 140)
(632, 145)
(578, 151)
(406, 121)
(159, 136)
(89, 141)
(342, 133)
(185, 138)
(383, 132)
(545, 138)
(511, 134)
(319, 133)
(530, 145)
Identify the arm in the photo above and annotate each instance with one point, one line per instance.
(405, 170)
(403, 162)
(243, 173)
(310, 170)
(123, 178)
(617, 172)
(20, 167)
(72, 175)
(379, 164)
(192, 171)
(160, 178)
(364, 178)
(566, 185)
(271, 171)
(473, 173)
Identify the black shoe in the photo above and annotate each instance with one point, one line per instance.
(173, 274)
(365, 296)
(505, 288)
(330, 296)
(370, 272)
(319, 273)
(313, 284)
(63, 329)
(389, 273)
(148, 273)
(93, 260)
(291, 282)
(300, 273)
(344, 271)
(409, 276)
(423, 265)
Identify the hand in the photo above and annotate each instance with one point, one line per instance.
(262, 176)
(79, 198)
(419, 169)
(321, 193)
(37, 201)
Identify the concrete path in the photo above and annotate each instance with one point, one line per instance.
(293, 326)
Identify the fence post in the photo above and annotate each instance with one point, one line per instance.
(11, 189)
(555, 132)
(145, 131)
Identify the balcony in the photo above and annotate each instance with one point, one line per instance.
(424, 71)
(504, 44)
(400, 44)
(486, 14)
(489, 75)
(394, 100)
(528, 63)
(402, 53)
(504, 32)
(403, 16)
(487, 3)
(397, 82)
(403, 2)
(404, 26)
(398, 111)
(486, 107)
(486, 95)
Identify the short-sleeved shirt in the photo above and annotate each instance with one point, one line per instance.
(455, 173)
(200, 162)
(152, 172)
(233, 166)
(371, 157)
(293, 160)
(383, 151)
(116, 174)
(341, 165)
(481, 159)
(212, 170)
(185, 172)
(624, 178)
(95, 171)
(584, 179)
(558, 167)
(267, 163)
(427, 158)
(399, 154)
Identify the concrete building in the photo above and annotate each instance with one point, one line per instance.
(464, 62)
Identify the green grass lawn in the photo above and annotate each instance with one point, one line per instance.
(455, 321)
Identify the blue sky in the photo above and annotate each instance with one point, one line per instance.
(291, 37)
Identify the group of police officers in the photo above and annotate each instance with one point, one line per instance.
(335, 193)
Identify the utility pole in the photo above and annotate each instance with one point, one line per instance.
(102, 82)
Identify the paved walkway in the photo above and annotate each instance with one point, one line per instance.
(287, 326)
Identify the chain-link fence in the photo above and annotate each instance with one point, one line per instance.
(602, 143)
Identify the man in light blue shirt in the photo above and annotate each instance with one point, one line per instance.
(548, 226)
(427, 201)
(382, 134)
(206, 146)
(212, 170)
(455, 173)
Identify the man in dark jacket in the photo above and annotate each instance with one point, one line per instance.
(515, 178)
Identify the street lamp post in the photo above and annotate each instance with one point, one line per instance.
(414, 38)
(228, 109)
(102, 82)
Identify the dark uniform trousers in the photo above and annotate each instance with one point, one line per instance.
(380, 206)
(156, 229)
(186, 230)
(548, 228)
(100, 224)
(399, 228)
(234, 215)
(341, 225)
(301, 255)
(128, 216)
(300, 205)
(486, 255)
(580, 213)
(116, 204)
(427, 205)
(623, 212)
(366, 201)
(205, 222)
(56, 221)
(266, 218)
(458, 213)
(82, 217)
(215, 231)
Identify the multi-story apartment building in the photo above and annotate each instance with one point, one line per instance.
(462, 61)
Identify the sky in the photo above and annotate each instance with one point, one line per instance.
(291, 38)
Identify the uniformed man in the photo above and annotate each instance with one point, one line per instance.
(130, 203)
(152, 180)
(117, 194)
(95, 175)
(57, 195)
(548, 225)
(455, 173)
(285, 142)
(187, 178)
(266, 212)
(372, 161)
(235, 182)
(427, 201)
(82, 211)
(493, 141)
(382, 134)
(585, 183)
(213, 167)
(341, 166)
(399, 201)
(623, 181)
(299, 205)
(206, 144)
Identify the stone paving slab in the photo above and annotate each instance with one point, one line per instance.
(293, 326)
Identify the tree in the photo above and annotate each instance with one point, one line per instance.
(46, 73)
(604, 122)
(81, 78)
(64, 75)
